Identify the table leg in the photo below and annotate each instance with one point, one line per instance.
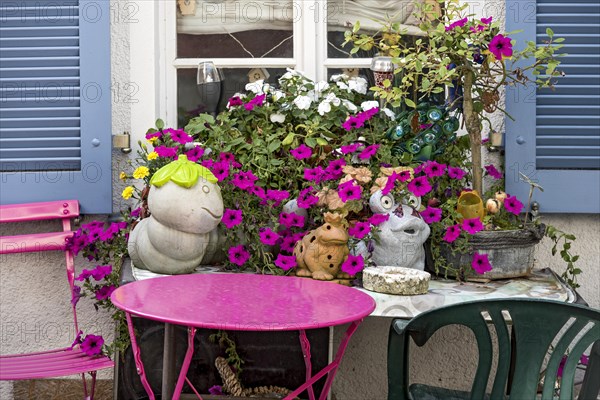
(169, 360)
(186, 363)
(137, 358)
(329, 370)
(305, 344)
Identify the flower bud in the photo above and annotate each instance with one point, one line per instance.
(500, 196)
(493, 206)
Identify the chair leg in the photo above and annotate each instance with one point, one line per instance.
(85, 390)
(93, 374)
(590, 388)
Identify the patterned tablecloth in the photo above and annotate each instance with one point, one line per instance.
(541, 284)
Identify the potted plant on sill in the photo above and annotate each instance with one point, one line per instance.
(475, 60)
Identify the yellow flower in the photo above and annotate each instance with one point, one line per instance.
(153, 140)
(128, 192)
(141, 172)
(152, 156)
(122, 176)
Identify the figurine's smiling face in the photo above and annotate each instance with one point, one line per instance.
(195, 210)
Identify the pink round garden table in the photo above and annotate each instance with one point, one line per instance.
(248, 303)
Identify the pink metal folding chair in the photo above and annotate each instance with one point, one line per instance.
(58, 362)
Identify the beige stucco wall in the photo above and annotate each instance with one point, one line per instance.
(362, 375)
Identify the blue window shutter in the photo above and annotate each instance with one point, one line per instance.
(55, 99)
(555, 138)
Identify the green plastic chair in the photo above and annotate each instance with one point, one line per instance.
(540, 329)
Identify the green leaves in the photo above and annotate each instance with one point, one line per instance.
(410, 103)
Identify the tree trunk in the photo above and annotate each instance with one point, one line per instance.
(473, 126)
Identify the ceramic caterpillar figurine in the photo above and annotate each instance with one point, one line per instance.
(402, 235)
(186, 206)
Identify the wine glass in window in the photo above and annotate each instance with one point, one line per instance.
(208, 82)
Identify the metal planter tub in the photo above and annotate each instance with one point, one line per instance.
(511, 253)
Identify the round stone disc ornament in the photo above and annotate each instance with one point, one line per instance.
(396, 280)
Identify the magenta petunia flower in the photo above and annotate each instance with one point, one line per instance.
(75, 295)
(216, 390)
(487, 21)
(314, 174)
(291, 220)
(238, 255)
(104, 292)
(456, 173)
(360, 230)
(234, 101)
(368, 114)
(335, 169)
(390, 183)
(195, 154)
(306, 198)
(353, 264)
(92, 345)
(431, 215)
(285, 262)
(301, 152)
(232, 218)
(349, 191)
(255, 102)
(179, 135)
(493, 172)
(351, 148)
(457, 24)
(220, 170)
(353, 122)
(472, 225)
(433, 169)
(288, 243)
(404, 176)
(85, 274)
(166, 152)
(452, 233)
(501, 47)
(207, 163)
(101, 271)
(419, 186)
(481, 263)
(513, 205)
(244, 180)
(257, 191)
(368, 152)
(151, 135)
(268, 237)
(378, 219)
(277, 196)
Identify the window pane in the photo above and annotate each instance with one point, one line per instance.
(236, 29)
(343, 14)
(190, 102)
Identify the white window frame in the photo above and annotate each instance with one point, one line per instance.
(310, 52)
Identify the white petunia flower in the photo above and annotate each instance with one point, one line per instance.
(350, 106)
(358, 84)
(343, 86)
(339, 77)
(389, 113)
(303, 102)
(277, 117)
(278, 94)
(289, 74)
(324, 107)
(367, 105)
(333, 99)
(321, 86)
(255, 87)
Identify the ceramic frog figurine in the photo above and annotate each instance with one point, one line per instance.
(322, 251)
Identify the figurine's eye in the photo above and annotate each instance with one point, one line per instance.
(413, 201)
(205, 189)
(387, 202)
